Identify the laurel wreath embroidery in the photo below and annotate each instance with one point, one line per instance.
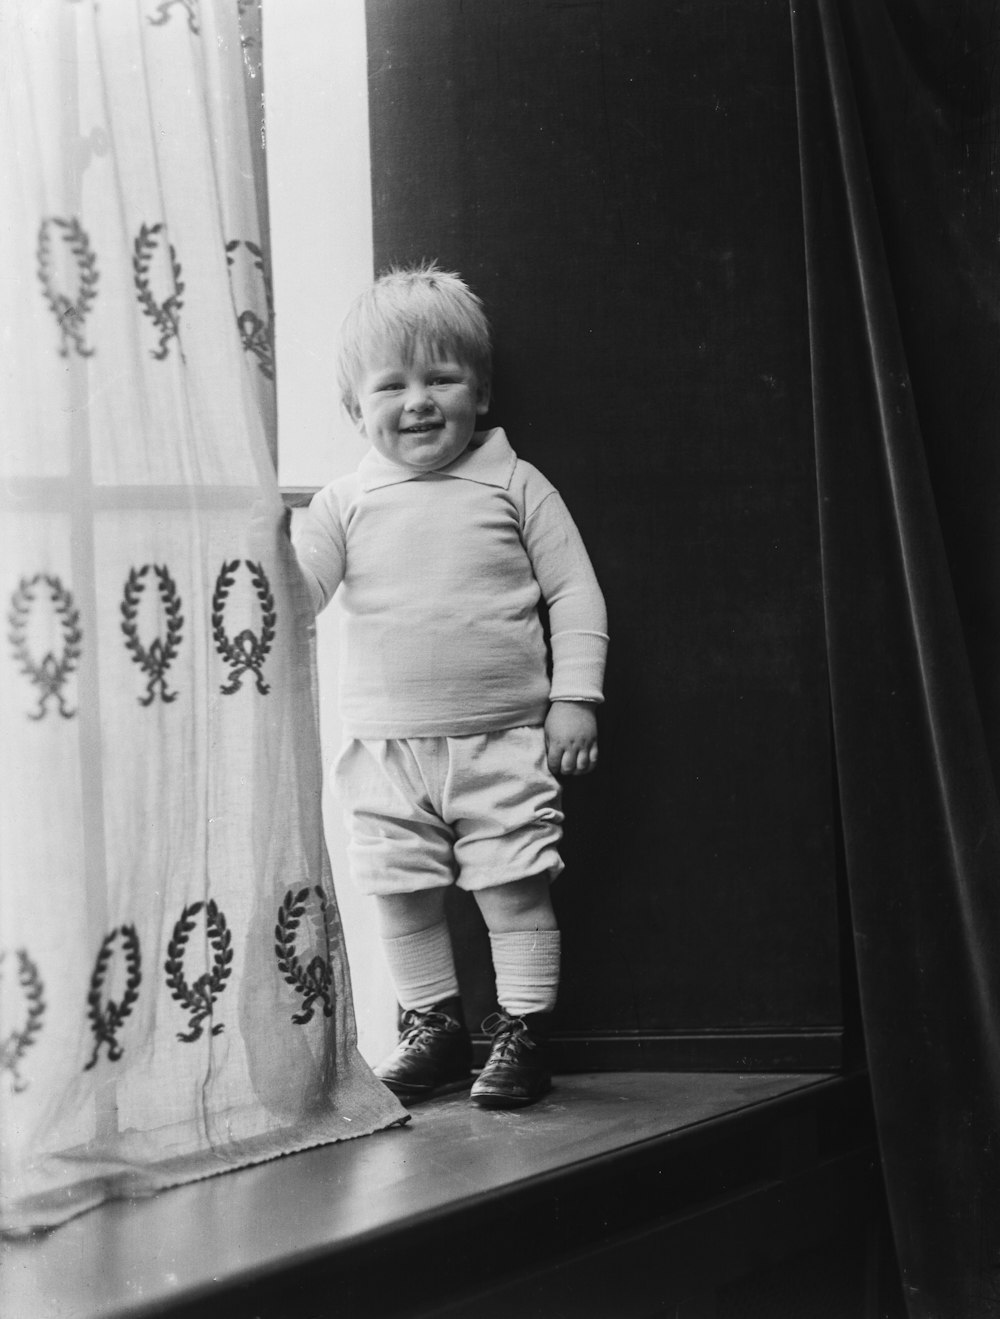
(190, 7)
(19, 1041)
(256, 333)
(164, 315)
(199, 999)
(49, 674)
(247, 652)
(70, 313)
(106, 1018)
(313, 981)
(155, 661)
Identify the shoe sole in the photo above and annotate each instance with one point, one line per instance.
(406, 1096)
(508, 1101)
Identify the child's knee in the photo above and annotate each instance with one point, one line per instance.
(524, 904)
(408, 913)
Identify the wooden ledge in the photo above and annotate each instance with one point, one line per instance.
(409, 1221)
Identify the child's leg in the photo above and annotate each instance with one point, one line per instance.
(525, 943)
(524, 940)
(508, 824)
(401, 853)
(434, 1052)
(417, 947)
(523, 905)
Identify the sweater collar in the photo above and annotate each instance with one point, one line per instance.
(489, 460)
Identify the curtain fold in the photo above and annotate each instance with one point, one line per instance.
(900, 208)
(176, 1000)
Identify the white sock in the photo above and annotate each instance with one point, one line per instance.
(422, 967)
(526, 963)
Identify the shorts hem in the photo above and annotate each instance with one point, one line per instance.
(383, 887)
(494, 879)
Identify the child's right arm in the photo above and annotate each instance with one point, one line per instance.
(320, 547)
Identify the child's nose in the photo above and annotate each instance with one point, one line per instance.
(417, 396)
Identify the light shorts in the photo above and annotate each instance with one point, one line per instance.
(425, 812)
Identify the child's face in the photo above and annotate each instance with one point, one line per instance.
(420, 414)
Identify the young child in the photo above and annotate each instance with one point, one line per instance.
(443, 543)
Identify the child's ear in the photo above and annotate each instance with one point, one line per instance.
(353, 409)
(482, 397)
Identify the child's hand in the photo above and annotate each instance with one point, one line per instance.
(571, 737)
(267, 527)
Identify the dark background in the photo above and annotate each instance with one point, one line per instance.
(620, 182)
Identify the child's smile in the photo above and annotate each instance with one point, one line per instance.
(421, 427)
(420, 413)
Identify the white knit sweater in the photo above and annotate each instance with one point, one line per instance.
(441, 574)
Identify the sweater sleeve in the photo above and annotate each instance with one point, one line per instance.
(320, 547)
(577, 616)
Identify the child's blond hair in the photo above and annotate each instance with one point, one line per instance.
(408, 308)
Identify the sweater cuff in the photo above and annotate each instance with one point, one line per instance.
(578, 666)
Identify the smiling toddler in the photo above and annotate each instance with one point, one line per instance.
(443, 544)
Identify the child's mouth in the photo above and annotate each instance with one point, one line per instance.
(422, 428)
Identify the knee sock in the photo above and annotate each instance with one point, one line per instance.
(422, 967)
(526, 963)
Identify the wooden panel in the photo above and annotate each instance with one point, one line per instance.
(619, 179)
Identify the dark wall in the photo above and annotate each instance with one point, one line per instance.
(619, 180)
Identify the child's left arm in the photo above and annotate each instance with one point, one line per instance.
(578, 625)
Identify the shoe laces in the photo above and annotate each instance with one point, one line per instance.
(418, 1028)
(508, 1034)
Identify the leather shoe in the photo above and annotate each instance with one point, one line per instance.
(517, 1071)
(434, 1053)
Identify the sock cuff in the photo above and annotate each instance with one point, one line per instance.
(527, 965)
(526, 946)
(422, 966)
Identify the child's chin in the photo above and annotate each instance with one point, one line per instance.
(432, 458)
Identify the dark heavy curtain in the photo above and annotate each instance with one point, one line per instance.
(899, 103)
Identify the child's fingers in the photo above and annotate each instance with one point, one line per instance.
(575, 760)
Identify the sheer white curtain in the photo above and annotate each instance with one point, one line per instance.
(175, 999)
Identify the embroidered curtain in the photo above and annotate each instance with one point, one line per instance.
(175, 997)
